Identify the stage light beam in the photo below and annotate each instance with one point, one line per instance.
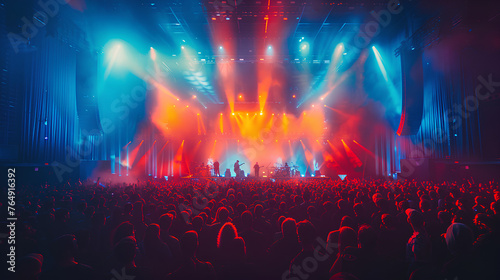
(380, 63)
(152, 54)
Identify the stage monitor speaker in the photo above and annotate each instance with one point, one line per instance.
(413, 91)
(86, 93)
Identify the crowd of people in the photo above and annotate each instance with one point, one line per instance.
(251, 229)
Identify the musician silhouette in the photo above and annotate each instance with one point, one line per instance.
(237, 168)
(216, 169)
(256, 168)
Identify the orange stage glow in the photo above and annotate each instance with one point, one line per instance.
(162, 148)
(249, 125)
(132, 155)
(364, 149)
(178, 154)
(352, 156)
(221, 124)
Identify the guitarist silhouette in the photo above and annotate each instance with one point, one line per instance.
(237, 168)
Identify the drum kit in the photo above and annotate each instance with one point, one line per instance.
(283, 171)
(203, 170)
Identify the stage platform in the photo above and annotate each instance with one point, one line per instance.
(214, 178)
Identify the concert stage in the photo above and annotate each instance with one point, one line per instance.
(318, 85)
(253, 178)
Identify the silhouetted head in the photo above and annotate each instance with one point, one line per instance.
(166, 221)
(347, 237)
(197, 223)
(29, 267)
(222, 215)
(289, 228)
(459, 238)
(189, 243)
(152, 233)
(306, 232)
(367, 237)
(246, 219)
(415, 218)
(123, 230)
(226, 234)
(64, 248)
(125, 250)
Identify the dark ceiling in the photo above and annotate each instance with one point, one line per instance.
(243, 22)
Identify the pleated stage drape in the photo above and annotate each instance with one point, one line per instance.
(49, 123)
